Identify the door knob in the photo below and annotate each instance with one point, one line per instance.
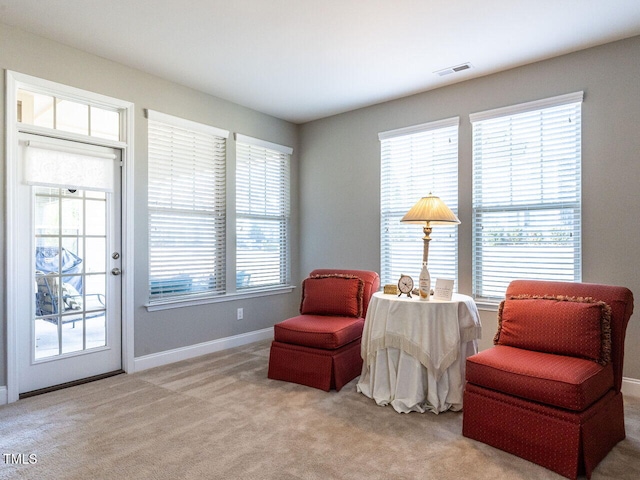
(116, 271)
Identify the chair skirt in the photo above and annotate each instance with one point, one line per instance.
(566, 442)
(315, 367)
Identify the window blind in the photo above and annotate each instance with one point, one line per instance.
(187, 210)
(54, 163)
(526, 194)
(416, 161)
(262, 213)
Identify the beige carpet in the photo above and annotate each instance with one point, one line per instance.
(219, 417)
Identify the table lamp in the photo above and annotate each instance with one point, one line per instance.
(430, 210)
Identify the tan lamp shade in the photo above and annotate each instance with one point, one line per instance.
(432, 210)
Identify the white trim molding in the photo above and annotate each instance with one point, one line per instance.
(185, 353)
(423, 127)
(190, 302)
(263, 143)
(186, 124)
(527, 106)
(14, 81)
(631, 387)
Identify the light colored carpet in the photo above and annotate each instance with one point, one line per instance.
(219, 417)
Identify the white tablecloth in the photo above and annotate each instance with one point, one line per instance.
(414, 351)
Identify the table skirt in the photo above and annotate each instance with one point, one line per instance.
(396, 378)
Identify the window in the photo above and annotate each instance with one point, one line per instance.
(416, 161)
(262, 214)
(526, 194)
(187, 208)
(45, 110)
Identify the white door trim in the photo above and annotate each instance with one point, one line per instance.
(15, 80)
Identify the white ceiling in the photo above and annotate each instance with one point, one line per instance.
(301, 60)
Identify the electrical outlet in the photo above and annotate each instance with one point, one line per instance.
(240, 314)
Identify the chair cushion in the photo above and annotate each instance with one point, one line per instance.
(566, 382)
(338, 295)
(578, 327)
(371, 282)
(319, 331)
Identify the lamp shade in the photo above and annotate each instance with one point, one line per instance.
(432, 210)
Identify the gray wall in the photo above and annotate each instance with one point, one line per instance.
(336, 173)
(157, 331)
(340, 168)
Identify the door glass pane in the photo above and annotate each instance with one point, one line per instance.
(72, 333)
(70, 272)
(96, 330)
(72, 216)
(73, 245)
(44, 243)
(95, 261)
(95, 194)
(96, 210)
(46, 341)
(95, 292)
(47, 215)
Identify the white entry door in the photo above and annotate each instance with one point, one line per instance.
(69, 262)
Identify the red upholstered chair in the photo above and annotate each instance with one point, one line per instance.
(549, 389)
(321, 347)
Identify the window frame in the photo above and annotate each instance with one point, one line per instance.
(231, 293)
(393, 206)
(546, 207)
(276, 161)
(214, 209)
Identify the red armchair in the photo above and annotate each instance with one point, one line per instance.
(549, 389)
(321, 347)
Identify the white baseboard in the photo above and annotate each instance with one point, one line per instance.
(631, 387)
(185, 353)
(3, 395)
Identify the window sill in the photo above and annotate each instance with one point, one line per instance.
(191, 302)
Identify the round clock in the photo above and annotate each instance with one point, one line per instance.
(405, 285)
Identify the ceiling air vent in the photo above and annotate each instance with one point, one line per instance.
(458, 68)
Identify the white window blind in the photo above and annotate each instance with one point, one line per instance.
(526, 194)
(262, 214)
(187, 211)
(416, 161)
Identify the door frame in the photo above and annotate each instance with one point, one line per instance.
(14, 81)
